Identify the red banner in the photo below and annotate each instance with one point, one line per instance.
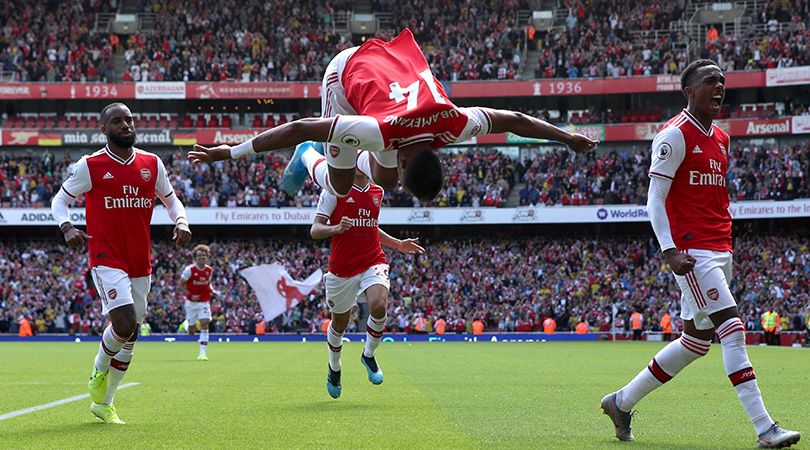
(464, 89)
(253, 90)
(20, 137)
(65, 91)
(759, 127)
(584, 86)
(230, 137)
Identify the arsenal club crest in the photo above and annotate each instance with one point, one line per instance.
(112, 294)
(376, 201)
(713, 294)
(146, 174)
(334, 150)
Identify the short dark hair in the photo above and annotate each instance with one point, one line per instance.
(688, 75)
(423, 176)
(105, 113)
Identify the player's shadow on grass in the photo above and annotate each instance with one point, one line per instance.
(319, 406)
(653, 444)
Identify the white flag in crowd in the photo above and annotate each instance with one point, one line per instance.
(275, 288)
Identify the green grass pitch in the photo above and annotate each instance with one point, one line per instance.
(436, 395)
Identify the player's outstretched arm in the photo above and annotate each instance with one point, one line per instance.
(285, 136)
(407, 246)
(531, 127)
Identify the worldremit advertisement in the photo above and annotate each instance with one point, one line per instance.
(422, 216)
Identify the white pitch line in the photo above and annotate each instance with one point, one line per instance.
(56, 403)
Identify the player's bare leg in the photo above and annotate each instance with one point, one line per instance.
(334, 338)
(377, 296)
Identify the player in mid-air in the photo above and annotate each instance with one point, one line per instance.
(195, 284)
(688, 207)
(381, 97)
(357, 269)
(119, 183)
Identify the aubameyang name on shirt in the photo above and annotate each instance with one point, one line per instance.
(129, 200)
(697, 178)
(418, 122)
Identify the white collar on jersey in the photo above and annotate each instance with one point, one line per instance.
(699, 125)
(362, 189)
(117, 158)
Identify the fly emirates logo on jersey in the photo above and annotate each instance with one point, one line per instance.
(365, 219)
(714, 178)
(130, 200)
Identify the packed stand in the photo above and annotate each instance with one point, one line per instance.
(477, 177)
(474, 40)
(755, 172)
(281, 40)
(53, 41)
(610, 39)
(510, 284)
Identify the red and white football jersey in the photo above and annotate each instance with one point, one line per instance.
(120, 195)
(695, 160)
(198, 282)
(400, 102)
(358, 248)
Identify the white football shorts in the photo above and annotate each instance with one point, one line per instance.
(197, 311)
(342, 293)
(117, 289)
(705, 289)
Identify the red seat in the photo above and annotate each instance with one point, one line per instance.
(173, 122)
(200, 121)
(271, 121)
(62, 123)
(213, 122)
(50, 121)
(92, 122)
(163, 122)
(226, 121)
(282, 120)
(187, 121)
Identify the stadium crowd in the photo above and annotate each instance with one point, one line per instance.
(510, 284)
(294, 41)
(53, 41)
(475, 177)
(614, 39)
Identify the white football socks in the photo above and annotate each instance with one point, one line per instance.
(374, 332)
(203, 341)
(118, 368)
(741, 373)
(335, 342)
(110, 345)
